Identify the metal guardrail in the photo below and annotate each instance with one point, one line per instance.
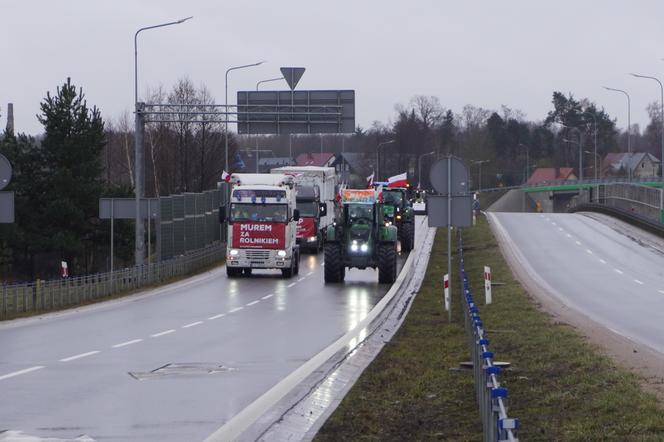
(44, 296)
(587, 182)
(491, 397)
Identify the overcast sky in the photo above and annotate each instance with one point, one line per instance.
(484, 53)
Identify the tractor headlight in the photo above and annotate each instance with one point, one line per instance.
(281, 253)
(388, 223)
(398, 216)
(364, 248)
(354, 247)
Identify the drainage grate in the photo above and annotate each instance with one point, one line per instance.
(180, 370)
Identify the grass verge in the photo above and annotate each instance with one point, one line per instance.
(561, 387)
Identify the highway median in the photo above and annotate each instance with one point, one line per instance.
(561, 387)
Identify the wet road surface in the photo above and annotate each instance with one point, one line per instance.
(593, 269)
(96, 372)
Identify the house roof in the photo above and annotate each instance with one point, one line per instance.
(314, 159)
(616, 161)
(551, 174)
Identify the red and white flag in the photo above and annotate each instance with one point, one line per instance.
(64, 270)
(400, 180)
(370, 180)
(225, 176)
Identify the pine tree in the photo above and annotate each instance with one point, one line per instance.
(71, 148)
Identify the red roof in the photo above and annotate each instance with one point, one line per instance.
(551, 174)
(314, 159)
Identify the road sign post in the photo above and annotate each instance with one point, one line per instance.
(451, 207)
(487, 284)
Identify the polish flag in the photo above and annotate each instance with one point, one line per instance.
(64, 270)
(370, 180)
(400, 180)
(225, 176)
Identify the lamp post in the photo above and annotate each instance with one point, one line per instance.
(567, 140)
(268, 80)
(139, 249)
(629, 126)
(419, 168)
(479, 173)
(226, 106)
(596, 158)
(661, 193)
(378, 157)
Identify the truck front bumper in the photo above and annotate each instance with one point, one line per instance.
(257, 259)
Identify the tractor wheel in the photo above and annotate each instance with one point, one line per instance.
(334, 266)
(387, 263)
(232, 272)
(407, 236)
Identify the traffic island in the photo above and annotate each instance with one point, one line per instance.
(560, 386)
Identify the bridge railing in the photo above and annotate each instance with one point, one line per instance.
(584, 183)
(46, 295)
(630, 199)
(491, 397)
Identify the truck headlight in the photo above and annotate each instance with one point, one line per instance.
(281, 253)
(234, 252)
(398, 216)
(364, 248)
(312, 239)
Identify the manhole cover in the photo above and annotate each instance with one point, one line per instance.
(181, 370)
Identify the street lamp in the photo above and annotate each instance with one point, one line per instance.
(479, 174)
(596, 158)
(661, 193)
(139, 249)
(629, 126)
(377, 153)
(226, 106)
(268, 80)
(567, 140)
(419, 168)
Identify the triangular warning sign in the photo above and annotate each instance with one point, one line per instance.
(292, 76)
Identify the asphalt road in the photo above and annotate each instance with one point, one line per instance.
(93, 372)
(594, 269)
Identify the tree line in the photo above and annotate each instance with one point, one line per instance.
(60, 176)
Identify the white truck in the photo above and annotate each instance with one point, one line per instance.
(317, 189)
(262, 223)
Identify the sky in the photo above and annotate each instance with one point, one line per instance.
(482, 52)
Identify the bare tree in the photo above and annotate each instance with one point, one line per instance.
(428, 109)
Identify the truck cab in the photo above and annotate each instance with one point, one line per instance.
(262, 222)
(309, 235)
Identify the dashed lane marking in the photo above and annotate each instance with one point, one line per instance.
(577, 243)
(618, 271)
(268, 296)
(310, 273)
(124, 344)
(602, 261)
(20, 372)
(193, 324)
(253, 303)
(588, 251)
(638, 282)
(165, 332)
(300, 279)
(569, 236)
(661, 291)
(291, 284)
(220, 315)
(236, 309)
(79, 356)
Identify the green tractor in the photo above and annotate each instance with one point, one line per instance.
(399, 212)
(360, 238)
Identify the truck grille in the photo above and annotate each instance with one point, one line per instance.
(257, 254)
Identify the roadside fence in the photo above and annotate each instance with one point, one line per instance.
(44, 296)
(491, 397)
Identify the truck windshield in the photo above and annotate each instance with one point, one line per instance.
(360, 213)
(273, 213)
(307, 208)
(393, 198)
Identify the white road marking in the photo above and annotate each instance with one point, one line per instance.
(638, 282)
(165, 332)
(220, 315)
(577, 243)
(124, 344)
(291, 284)
(588, 251)
(82, 355)
(569, 236)
(310, 273)
(193, 324)
(253, 303)
(602, 261)
(268, 296)
(20, 372)
(561, 229)
(552, 222)
(661, 291)
(300, 279)
(236, 309)
(620, 272)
